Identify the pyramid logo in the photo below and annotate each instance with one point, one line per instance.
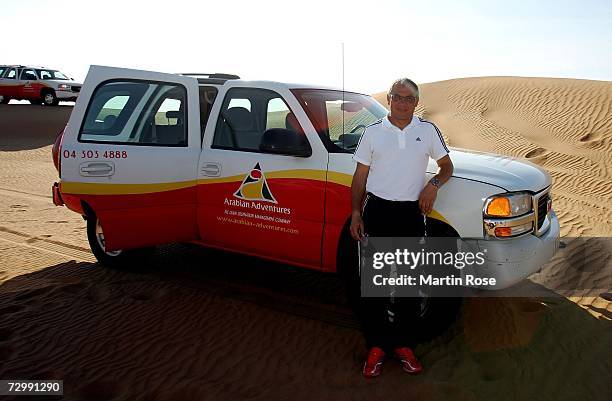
(255, 187)
(418, 139)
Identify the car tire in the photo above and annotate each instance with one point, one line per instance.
(435, 315)
(49, 98)
(124, 259)
(441, 312)
(4, 99)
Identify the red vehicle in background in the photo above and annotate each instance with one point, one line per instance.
(38, 85)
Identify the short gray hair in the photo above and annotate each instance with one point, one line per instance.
(407, 83)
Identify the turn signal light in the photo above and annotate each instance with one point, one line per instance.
(502, 232)
(499, 207)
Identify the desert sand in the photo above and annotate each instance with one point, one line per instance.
(198, 324)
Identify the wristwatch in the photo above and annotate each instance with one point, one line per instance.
(435, 182)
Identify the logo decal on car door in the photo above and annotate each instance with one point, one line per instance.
(255, 187)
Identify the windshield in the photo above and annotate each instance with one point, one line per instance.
(340, 117)
(52, 74)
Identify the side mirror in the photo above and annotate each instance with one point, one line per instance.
(285, 142)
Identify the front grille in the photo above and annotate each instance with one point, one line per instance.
(75, 88)
(542, 209)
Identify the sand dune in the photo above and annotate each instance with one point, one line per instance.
(564, 125)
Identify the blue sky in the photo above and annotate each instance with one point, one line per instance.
(301, 41)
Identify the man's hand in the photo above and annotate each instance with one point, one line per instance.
(357, 229)
(357, 190)
(427, 198)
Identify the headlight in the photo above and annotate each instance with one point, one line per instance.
(63, 87)
(510, 205)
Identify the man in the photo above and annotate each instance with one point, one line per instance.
(392, 158)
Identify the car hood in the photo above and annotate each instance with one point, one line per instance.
(506, 172)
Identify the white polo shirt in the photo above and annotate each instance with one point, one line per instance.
(398, 158)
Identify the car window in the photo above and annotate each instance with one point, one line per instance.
(44, 74)
(138, 113)
(29, 75)
(52, 74)
(2, 69)
(246, 113)
(11, 74)
(339, 117)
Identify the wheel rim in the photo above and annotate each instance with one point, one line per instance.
(1, 98)
(49, 98)
(102, 242)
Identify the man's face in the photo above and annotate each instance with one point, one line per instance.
(402, 102)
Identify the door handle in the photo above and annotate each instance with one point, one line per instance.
(211, 169)
(97, 169)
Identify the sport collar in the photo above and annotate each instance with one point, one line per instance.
(388, 124)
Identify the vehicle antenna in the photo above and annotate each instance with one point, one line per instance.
(342, 106)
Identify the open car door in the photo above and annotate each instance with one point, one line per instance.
(130, 154)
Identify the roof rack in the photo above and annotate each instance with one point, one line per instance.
(21, 66)
(214, 78)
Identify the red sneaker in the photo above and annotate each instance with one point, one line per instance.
(409, 362)
(373, 364)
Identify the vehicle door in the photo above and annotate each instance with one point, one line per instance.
(29, 87)
(252, 198)
(9, 83)
(131, 151)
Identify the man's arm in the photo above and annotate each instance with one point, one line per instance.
(430, 192)
(446, 169)
(357, 191)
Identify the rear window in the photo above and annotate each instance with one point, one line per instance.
(137, 113)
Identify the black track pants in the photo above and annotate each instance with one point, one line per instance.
(390, 322)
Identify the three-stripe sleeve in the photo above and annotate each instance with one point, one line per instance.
(437, 146)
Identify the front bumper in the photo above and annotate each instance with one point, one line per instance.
(68, 96)
(511, 261)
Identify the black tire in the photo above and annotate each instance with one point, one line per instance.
(49, 98)
(125, 259)
(4, 99)
(442, 311)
